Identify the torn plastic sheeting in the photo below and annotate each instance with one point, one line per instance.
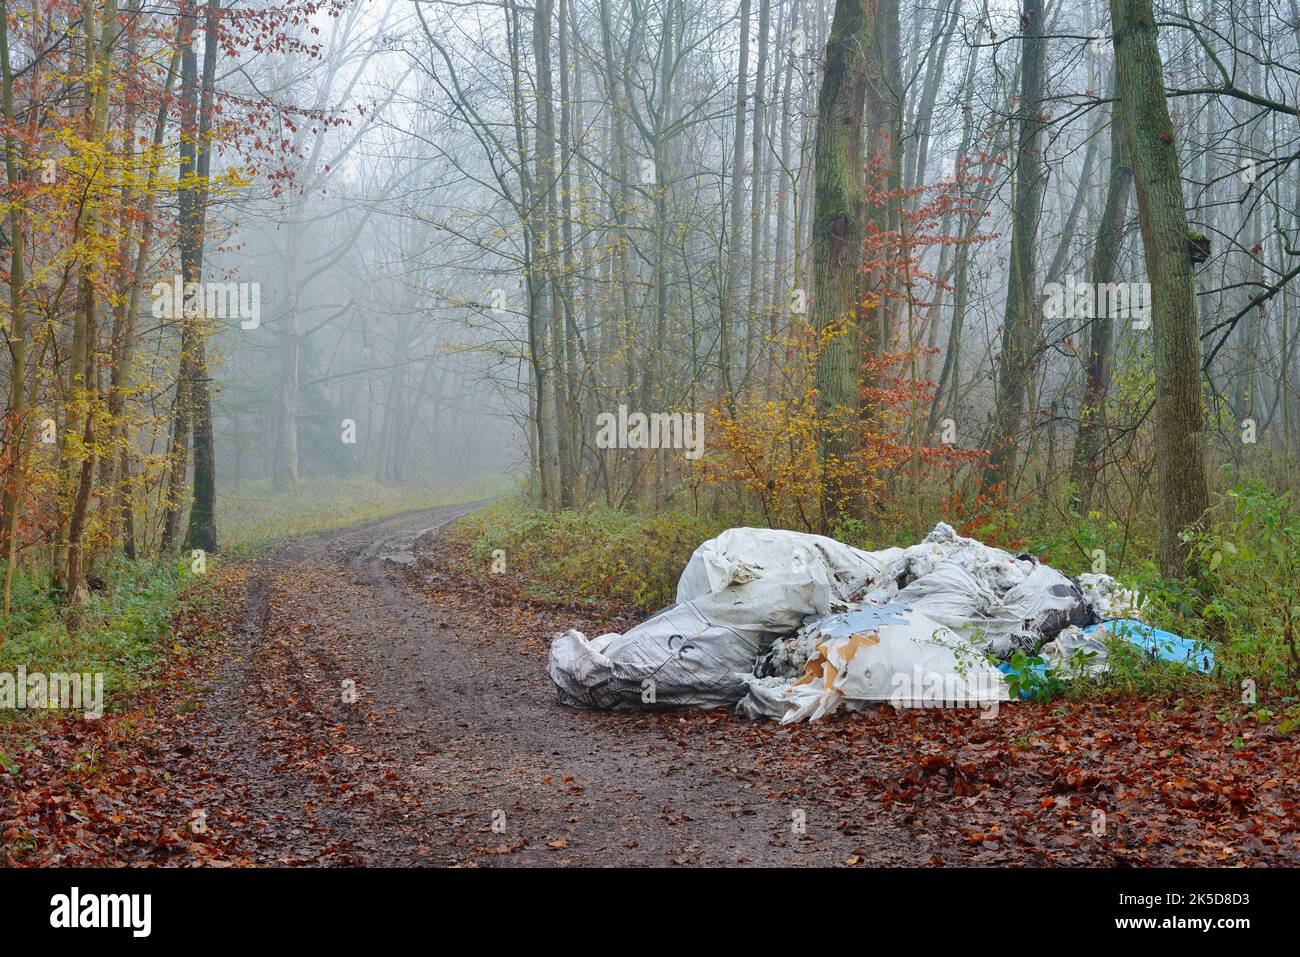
(1108, 598)
(1078, 652)
(999, 600)
(675, 659)
(752, 618)
(1036, 607)
(741, 556)
(996, 569)
(1071, 654)
(738, 592)
(886, 653)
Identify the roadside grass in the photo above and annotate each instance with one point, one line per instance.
(124, 632)
(593, 555)
(127, 623)
(258, 515)
(1245, 604)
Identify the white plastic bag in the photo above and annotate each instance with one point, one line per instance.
(738, 592)
(853, 627)
(879, 653)
(1074, 653)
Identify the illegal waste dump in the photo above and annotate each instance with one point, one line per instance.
(795, 626)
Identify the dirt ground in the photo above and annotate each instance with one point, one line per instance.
(377, 704)
(456, 753)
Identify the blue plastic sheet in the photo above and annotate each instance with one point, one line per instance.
(1161, 645)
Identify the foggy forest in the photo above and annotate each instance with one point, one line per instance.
(329, 322)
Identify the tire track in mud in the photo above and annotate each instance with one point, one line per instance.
(456, 752)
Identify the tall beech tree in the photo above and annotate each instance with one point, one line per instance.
(1099, 361)
(839, 231)
(1020, 319)
(1179, 430)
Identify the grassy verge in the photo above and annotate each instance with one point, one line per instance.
(127, 627)
(258, 515)
(1246, 604)
(125, 633)
(591, 555)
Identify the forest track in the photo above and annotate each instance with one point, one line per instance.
(456, 741)
(456, 753)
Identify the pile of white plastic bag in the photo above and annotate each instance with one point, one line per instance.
(795, 626)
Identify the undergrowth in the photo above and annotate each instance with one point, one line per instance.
(1244, 602)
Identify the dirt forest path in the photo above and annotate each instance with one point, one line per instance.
(455, 753)
(455, 747)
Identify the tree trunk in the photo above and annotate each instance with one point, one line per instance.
(16, 430)
(1179, 420)
(758, 194)
(884, 161)
(1020, 320)
(182, 417)
(202, 531)
(85, 371)
(731, 290)
(837, 237)
(1092, 412)
(945, 388)
(548, 234)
